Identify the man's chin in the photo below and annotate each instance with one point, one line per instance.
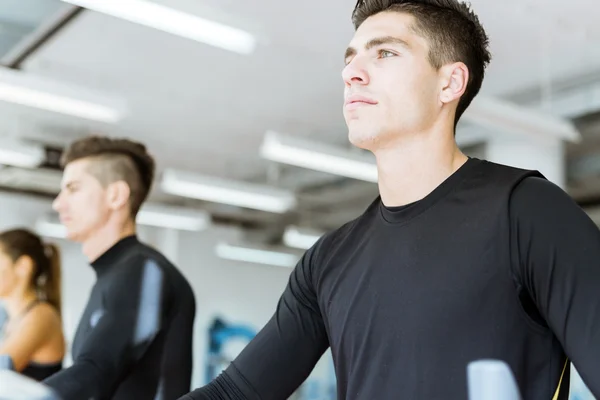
(74, 236)
(361, 140)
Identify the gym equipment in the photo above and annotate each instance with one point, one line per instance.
(219, 334)
(14, 386)
(486, 380)
(491, 380)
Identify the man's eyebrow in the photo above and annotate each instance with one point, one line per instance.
(386, 40)
(350, 51)
(378, 41)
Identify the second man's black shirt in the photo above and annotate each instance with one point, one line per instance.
(134, 340)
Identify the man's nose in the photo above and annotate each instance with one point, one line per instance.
(355, 72)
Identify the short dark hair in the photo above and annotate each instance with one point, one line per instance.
(116, 159)
(452, 29)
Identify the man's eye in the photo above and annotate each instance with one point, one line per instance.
(385, 53)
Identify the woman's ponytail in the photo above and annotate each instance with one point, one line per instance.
(49, 285)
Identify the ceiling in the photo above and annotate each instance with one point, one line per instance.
(204, 109)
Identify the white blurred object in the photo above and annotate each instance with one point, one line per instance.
(14, 386)
(18, 154)
(300, 238)
(578, 389)
(491, 380)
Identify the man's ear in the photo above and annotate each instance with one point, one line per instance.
(118, 194)
(455, 78)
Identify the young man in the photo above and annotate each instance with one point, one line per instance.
(458, 260)
(134, 340)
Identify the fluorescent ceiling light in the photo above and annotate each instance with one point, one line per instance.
(173, 21)
(300, 238)
(156, 215)
(25, 89)
(180, 218)
(256, 255)
(241, 194)
(40, 180)
(508, 117)
(50, 228)
(19, 154)
(318, 157)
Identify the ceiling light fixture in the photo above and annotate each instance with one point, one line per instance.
(241, 194)
(19, 154)
(318, 157)
(256, 255)
(175, 22)
(504, 116)
(33, 91)
(172, 217)
(50, 228)
(156, 215)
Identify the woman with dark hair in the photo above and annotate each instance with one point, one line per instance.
(30, 289)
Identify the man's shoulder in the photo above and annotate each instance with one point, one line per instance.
(532, 184)
(538, 195)
(538, 188)
(504, 172)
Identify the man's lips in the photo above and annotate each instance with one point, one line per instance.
(356, 100)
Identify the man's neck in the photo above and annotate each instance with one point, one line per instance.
(102, 240)
(411, 168)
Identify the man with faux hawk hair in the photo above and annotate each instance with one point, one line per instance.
(116, 159)
(458, 259)
(134, 339)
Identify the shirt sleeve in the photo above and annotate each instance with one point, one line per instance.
(558, 250)
(135, 310)
(282, 355)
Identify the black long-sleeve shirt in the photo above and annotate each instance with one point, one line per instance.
(134, 340)
(495, 263)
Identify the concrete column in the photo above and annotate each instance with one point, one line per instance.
(545, 155)
(168, 243)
